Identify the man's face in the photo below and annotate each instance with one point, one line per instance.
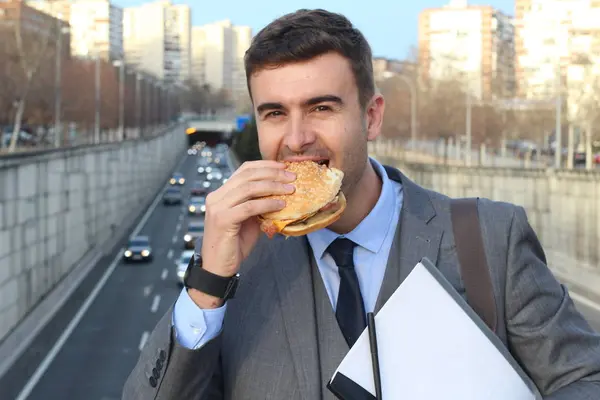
(311, 110)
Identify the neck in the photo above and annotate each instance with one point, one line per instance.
(360, 201)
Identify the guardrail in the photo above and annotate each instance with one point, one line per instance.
(23, 153)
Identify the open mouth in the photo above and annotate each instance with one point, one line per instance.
(323, 162)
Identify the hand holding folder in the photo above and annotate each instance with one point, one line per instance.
(430, 345)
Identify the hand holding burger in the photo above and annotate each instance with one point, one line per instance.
(292, 198)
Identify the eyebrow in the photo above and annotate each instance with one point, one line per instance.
(329, 98)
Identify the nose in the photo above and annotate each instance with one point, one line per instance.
(299, 135)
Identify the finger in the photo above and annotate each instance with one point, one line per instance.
(259, 164)
(255, 189)
(265, 174)
(252, 175)
(254, 208)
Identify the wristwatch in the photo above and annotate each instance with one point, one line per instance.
(198, 278)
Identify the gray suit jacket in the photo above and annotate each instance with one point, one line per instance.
(267, 347)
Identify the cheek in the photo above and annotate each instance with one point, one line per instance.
(268, 144)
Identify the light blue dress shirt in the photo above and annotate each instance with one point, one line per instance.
(373, 236)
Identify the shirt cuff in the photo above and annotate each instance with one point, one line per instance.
(193, 325)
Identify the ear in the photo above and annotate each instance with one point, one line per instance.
(374, 114)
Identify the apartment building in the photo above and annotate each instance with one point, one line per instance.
(218, 56)
(96, 26)
(182, 27)
(471, 43)
(242, 36)
(157, 39)
(557, 43)
(382, 67)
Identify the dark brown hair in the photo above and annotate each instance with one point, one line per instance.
(306, 34)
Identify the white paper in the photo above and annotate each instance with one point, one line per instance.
(430, 348)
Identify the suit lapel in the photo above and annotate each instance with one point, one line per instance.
(416, 237)
(294, 284)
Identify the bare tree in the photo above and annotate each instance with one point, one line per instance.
(32, 45)
(396, 121)
(584, 103)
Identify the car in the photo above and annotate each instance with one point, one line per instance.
(214, 175)
(172, 195)
(138, 249)
(177, 179)
(194, 230)
(197, 205)
(203, 170)
(182, 264)
(200, 188)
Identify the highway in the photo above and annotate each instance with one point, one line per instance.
(103, 347)
(90, 347)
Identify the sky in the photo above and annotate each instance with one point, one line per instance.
(389, 25)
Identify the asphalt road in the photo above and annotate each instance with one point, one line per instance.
(104, 346)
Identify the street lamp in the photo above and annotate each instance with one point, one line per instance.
(413, 102)
(61, 30)
(138, 104)
(97, 99)
(468, 122)
(121, 65)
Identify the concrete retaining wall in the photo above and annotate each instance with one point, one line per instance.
(563, 206)
(57, 206)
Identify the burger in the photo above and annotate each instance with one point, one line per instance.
(316, 203)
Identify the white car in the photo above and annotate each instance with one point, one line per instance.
(182, 264)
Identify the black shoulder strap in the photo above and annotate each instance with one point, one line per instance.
(471, 256)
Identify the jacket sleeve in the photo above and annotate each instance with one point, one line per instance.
(547, 335)
(168, 371)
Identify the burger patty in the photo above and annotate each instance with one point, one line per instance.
(270, 228)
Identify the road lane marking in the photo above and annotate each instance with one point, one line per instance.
(39, 372)
(164, 274)
(155, 303)
(178, 227)
(143, 340)
(181, 217)
(147, 290)
(45, 364)
(585, 301)
(174, 239)
(170, 254)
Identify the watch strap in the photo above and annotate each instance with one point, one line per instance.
(206, 282)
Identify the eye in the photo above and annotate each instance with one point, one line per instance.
(322, 108)
(273, 114)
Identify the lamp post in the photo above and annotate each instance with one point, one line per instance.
(121, 65)
(61, 30)
(468, 122)
(97, 99)
(138, 104)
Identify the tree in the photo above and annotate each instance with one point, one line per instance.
(583, 101)
(442, 111)
(397, 118)
(245, 145)
(31, 45)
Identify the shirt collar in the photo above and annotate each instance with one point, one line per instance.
(372, 230)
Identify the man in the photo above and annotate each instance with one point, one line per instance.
(311, 81)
